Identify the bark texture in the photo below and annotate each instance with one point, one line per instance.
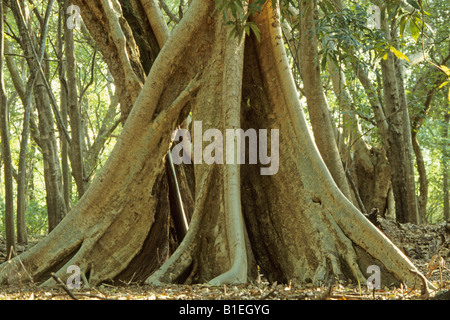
(399, 143)
(73, 109)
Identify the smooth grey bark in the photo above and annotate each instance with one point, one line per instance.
(422, 172)
(22, 172)
(65, 167)
(399, 147)
(77, 158)
(317, 105)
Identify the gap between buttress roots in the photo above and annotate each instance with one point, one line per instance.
(182, 259)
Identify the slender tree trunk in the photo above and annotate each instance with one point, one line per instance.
(74, 112)
(31, 168)
(423, 180)
(22, 174)
(369, 168)
(445, 175)
(395, 129)
(417, 121)
(109, 124)
(414, 211)
(317, 104)
(6, 151)
(56, 206)
(398, 152)
(65, 169)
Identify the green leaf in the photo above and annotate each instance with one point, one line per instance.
(255, 29)
(414, 4)
(247, 30)
(393, 12)
(402, 25)
(323, 64)
(415, 32)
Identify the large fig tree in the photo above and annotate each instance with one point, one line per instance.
(293, 222)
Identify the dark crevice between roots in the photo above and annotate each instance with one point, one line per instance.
(155, 248)
(186, 274)
(255, 209)
(87, 274)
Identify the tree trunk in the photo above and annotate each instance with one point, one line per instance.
(6, 151)
(65, 169)
(368, 167)
(56, 206)
(400, 162)
(295, 224)
(22, 175)
(417, 120)
(277, 208)
(317, 104)
(25, 94)
(74, 112)
(423, 180)
(445, 176)
(399, 147)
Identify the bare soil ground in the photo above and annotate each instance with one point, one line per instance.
(427, 246)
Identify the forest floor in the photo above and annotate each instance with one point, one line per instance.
(428, 247)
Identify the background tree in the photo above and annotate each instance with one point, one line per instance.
(6, 151)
